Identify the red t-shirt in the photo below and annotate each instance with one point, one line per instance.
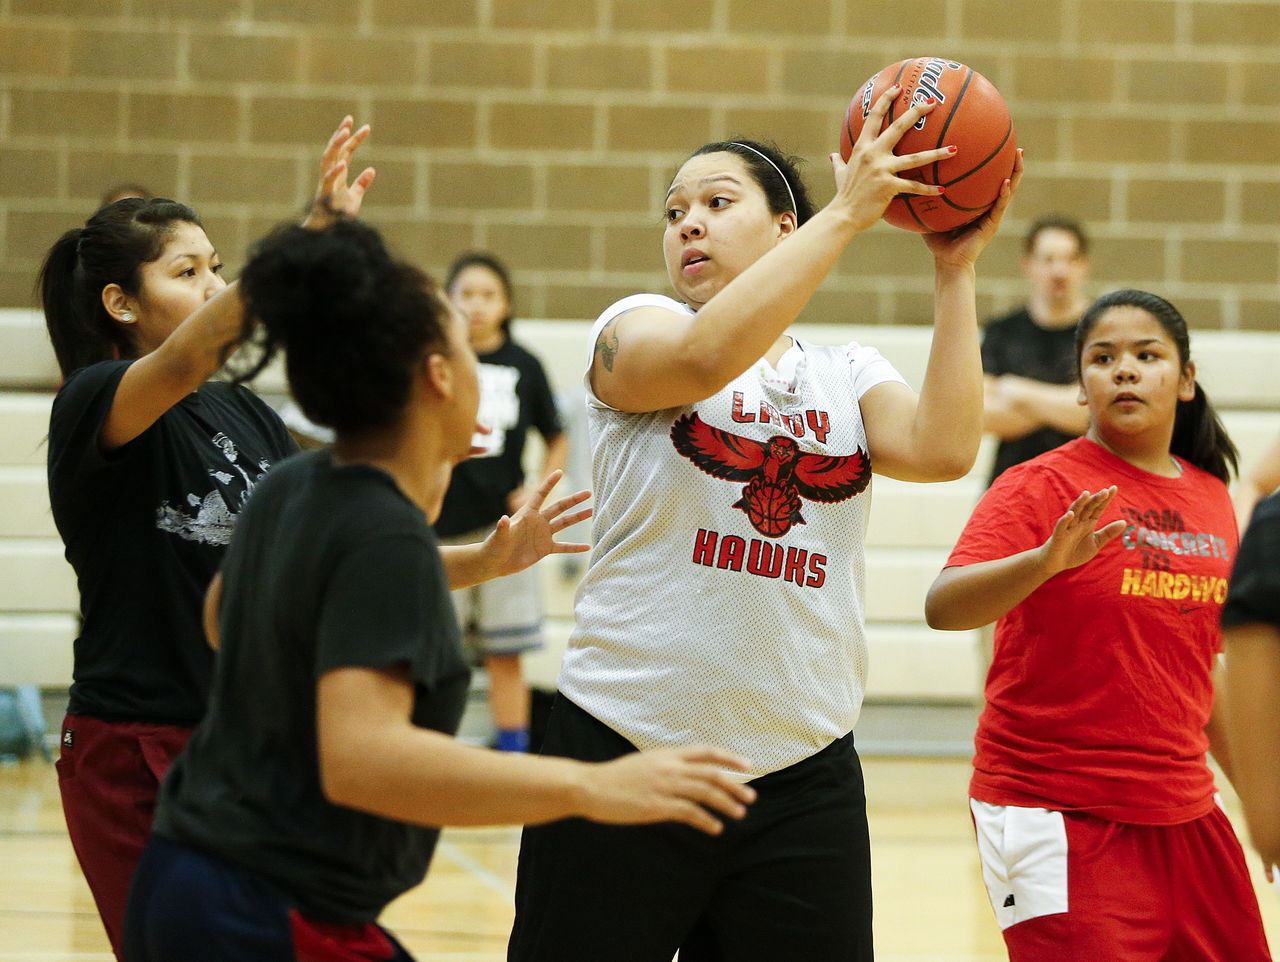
(1100, 687)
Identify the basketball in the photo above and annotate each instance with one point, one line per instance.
(970, 114)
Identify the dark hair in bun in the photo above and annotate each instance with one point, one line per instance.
(352, 320)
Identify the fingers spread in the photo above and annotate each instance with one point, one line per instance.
(361, 183)
(568, 520)
(355, 140)
(908, 119)
(875, 119)
(903, 162)
(564, 504)
(544, 488)
(1111, 531)
(1081, 500)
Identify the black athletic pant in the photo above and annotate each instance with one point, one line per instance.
(790, 881)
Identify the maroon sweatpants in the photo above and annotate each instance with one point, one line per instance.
(109, 775)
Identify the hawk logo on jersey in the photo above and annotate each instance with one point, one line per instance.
(777, 472)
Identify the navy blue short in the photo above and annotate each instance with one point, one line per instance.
(186, 904)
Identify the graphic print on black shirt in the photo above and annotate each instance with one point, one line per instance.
(145, 527)
(209, 519)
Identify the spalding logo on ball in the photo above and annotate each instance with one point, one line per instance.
(970, 114)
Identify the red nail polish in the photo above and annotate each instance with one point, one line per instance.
(930, 100)
(941, 190)
(952, 149)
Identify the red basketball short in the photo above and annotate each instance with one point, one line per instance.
(109, 775)
(1067, 886)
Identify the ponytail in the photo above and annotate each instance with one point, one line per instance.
(1198, 434)
(110, 249)
(1200, 438)
(80, 330)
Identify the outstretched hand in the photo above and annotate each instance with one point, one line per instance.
(528, 536)
(872, 177)
(963, 245)
(1074, 540)
(334, 196)
(669, 785)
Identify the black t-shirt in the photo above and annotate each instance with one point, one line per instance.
(1254, 593)
(514, 395)
(145, 528)
(331, 567)
(1015, 344)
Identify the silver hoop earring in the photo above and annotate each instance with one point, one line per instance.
(127, 317)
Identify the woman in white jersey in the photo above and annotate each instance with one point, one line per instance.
(724, 596)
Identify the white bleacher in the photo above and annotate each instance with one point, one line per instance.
(912, 527)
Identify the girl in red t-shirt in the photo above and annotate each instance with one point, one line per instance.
(1093, 802)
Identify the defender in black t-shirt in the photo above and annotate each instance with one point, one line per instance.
(145, 527)
(313, 791)
(149, 465)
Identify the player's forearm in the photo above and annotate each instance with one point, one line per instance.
(948, 421)
(187, 358)
(1215, 727)
(465, 565)
(1252, 724)
(970, 596)
(738, 326)
(999, 414)
(427, 778)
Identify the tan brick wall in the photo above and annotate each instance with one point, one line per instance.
(548, 129)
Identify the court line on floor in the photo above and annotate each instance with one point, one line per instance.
(487, 877)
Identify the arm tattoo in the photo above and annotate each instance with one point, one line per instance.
(607, 345)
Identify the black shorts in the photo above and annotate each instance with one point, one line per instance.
(791, 880)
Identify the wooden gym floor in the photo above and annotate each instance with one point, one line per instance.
(930, 904)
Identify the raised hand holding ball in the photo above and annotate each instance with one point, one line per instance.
(971, 115)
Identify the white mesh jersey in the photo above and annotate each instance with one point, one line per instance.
(723, 603)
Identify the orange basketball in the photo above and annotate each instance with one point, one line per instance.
(970, 114)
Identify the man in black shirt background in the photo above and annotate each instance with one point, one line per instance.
(1028, 356)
